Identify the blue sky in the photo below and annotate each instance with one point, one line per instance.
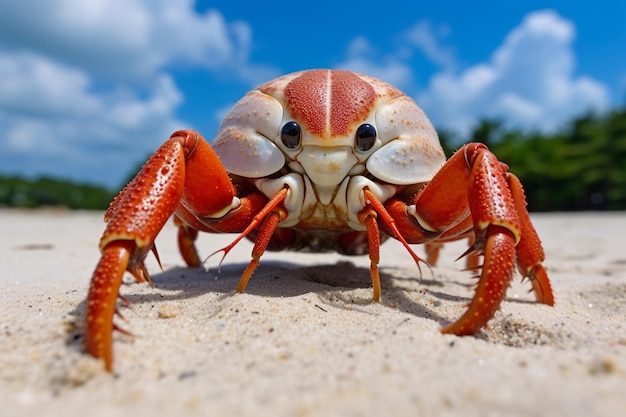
(89, 88)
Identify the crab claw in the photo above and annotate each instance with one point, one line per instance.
(102, 300)
(136, 217)
(473, 185)
(495, 279)
(497, 229)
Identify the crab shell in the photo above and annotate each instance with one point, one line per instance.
(329, 105)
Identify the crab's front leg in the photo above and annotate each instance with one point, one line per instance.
(473, 179)
(474, 193)
(184, 175)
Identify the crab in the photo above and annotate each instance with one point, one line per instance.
(321, 160)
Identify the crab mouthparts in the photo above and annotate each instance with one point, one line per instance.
(327, 166)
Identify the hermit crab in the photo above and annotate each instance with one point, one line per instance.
(321, 160)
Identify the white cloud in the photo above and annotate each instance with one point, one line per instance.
(396, 65)
(427, 41)
(80, 134)
(127, 39)
(32, 84)
(84, 87)
(528, 82)
(362, 57)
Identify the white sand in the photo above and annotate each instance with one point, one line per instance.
(305, 340)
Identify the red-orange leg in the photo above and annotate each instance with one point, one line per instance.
(266, 229)
(187, 236)
(373, 215)
(268, 226)
(368, 217)
(529, 251)
(389, 222)
(433, 250)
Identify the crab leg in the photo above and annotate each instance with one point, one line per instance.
(495, 221)
(268, 217)
(474, 185)
(138, 214)
(368, 216)
(529, 250)
(433, 250)
(501, 227)
(187, 236)
(260, 245)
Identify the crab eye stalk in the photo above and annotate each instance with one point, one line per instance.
(290, 135)
(365, 137)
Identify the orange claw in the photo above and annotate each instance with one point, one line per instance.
(495, 279)
(497, 229)
(474, 185)
(102, 299)
(138, 214)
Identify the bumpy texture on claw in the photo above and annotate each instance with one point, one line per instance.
(478, 187)
(495, 279)
(497, 227)
(134, 219)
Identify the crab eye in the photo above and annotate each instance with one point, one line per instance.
(365, 137)
(290, 135)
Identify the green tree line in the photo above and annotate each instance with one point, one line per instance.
(580, 167)
(51, 192)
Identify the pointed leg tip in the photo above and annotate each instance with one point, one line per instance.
(541, 285)
(108, 365)
(459, 330)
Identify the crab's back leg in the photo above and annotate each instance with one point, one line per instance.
(433, 250)
(187, 236)
(530, 255)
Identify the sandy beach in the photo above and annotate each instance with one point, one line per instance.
(305, 339)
